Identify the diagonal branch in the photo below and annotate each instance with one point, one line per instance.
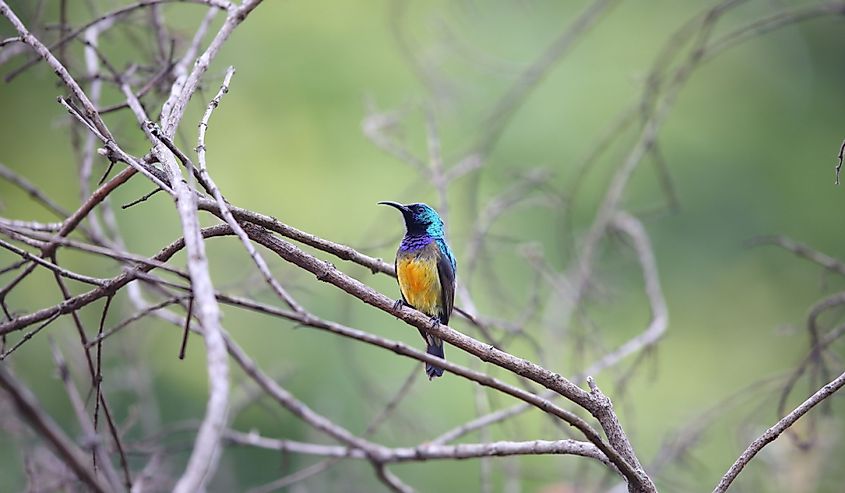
(27, 37)
(28, 407)
(775, 431)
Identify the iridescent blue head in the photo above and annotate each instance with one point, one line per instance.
(420, 219)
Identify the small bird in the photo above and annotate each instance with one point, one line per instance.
(425, 269)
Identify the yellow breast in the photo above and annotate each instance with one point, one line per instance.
(420, 284)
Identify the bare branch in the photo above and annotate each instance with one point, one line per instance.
(390, 480)
(632, 227)
(203, 460)
(114, 152)
(113, 15)
(69, 224)
(655, 330)
(535, 73)
(425, 452)
(90, 111)
(33, 192)
(802, 250)
(53, 267)
(224, 208)
(28, 407)
(85, 423)
(775, 431)
(184, 88)
(342, 252)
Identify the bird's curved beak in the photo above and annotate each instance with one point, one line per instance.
(397, 205)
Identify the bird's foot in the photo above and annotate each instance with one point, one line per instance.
(435, 321)
(399, 304)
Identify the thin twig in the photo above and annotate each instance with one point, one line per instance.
(802, 250)
(224, 208)
(28, 407)
(656, 328)
(51, 266)
(84, 421)
(143, 198)
(138, 316)
(98, 379)
(190, 313)
(93, 373)
(57, 67)
(109, 17)
(26, 337)
(775, 431)
(33, 192)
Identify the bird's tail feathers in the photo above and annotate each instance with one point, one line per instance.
(434, 347)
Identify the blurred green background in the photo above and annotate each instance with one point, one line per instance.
(749, 145)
